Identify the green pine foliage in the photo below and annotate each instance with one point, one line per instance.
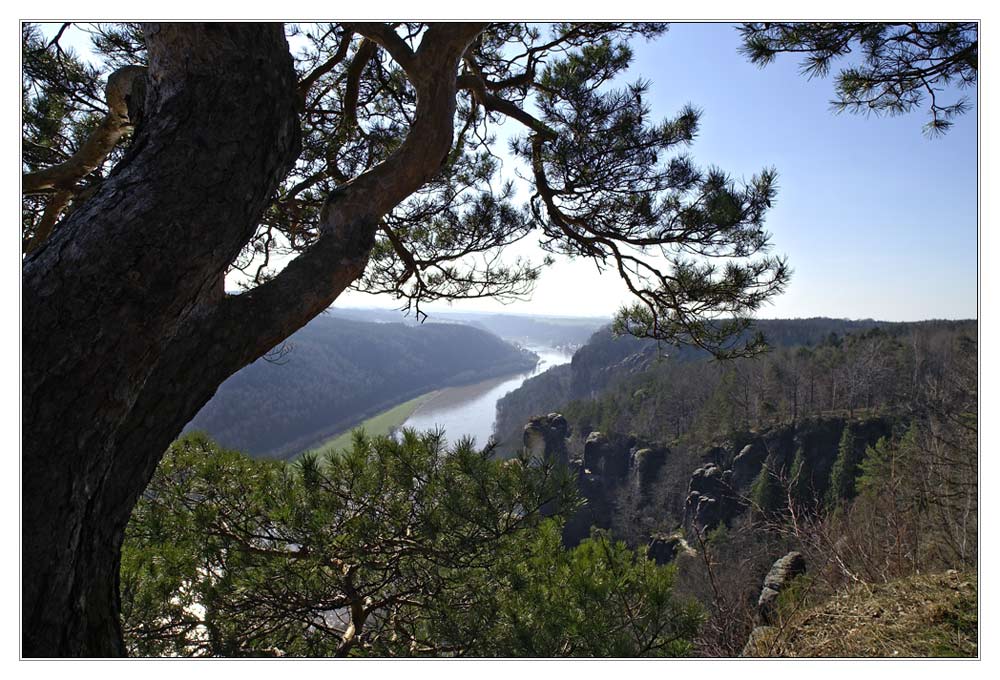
(801, 481)
(902, 66)
(766, 493)
(845, 469)
(598, 599)
(388, 548)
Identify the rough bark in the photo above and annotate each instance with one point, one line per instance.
(106, 295)
(126, 331)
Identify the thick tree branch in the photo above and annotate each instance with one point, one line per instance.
(366, 52)
(350, 217)
(385, 36)
(100, 142)
(221, 337)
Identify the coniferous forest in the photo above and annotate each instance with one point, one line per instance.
(207, 207)
(857, 453)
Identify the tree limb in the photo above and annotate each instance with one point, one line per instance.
(386, 37)
(44, 227)
(492, 102)
(309, 80)
(95, 149)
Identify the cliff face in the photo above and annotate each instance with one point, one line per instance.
(720, 489)
(619, 474)
(608, 468)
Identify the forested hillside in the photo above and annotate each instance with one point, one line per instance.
(687, 506)
(814, 366)
(774, 483)
(333, 373)
(553, 331)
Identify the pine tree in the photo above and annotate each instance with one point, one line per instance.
(766, 493)
(800, 483)
(388, 548)
(844, 469)
(368, 155)
(904, 65)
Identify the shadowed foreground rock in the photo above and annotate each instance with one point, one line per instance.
(782, 572)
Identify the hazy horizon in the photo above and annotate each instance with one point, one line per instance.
(866, 208)
(360, 305)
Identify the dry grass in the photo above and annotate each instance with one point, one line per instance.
(920, 616)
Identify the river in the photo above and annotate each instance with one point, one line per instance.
(471, 409)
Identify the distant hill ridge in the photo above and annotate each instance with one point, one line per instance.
(523, 328)
(339, 372)
(607, 359)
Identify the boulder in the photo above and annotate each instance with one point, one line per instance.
(781, 574)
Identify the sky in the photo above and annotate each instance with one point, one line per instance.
(877, 220)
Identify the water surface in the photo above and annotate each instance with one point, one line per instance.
(471, 409)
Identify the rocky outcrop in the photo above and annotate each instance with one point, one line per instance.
(604, 457)
(596, 511)
(781, 574)
(747, 463)
(645, 465)
(608, 464)
(711, 499)
(718, 489)
(545, 438)
(663, 549)
(598, 473)
(595, 450)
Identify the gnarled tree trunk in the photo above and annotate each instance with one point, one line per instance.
(106, 298)
(126, 329)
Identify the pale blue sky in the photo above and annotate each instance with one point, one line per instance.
(877, 220)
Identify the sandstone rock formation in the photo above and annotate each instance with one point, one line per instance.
(545, 438)
(781, 574)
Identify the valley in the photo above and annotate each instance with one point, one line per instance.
(378, 369)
